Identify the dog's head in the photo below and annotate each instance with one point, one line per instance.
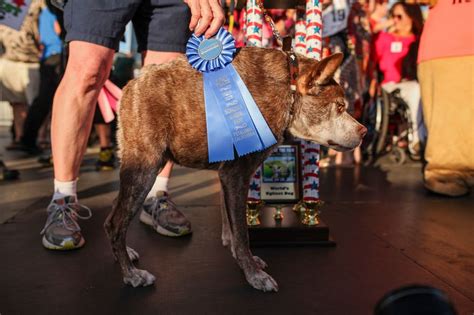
(319, 111)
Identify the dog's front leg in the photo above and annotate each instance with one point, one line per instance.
(235, 184)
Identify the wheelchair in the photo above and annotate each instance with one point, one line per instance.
(389, 126)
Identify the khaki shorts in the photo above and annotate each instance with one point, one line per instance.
(448, 107)
(19, 81)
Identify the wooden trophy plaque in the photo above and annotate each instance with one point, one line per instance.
(281, 191)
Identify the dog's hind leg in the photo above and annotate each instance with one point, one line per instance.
(136, 180)
(235, 177)
(132, 254)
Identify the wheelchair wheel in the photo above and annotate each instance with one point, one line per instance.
(383, 113)
(375, 118)
(398, 155)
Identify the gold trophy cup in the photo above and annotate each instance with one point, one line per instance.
(278, 216)
(253, 209)
(310, 215)
(299, 207)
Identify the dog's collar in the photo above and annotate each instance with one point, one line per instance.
(293, 63)
(293, 68)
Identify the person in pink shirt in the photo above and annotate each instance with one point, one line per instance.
(391, 49)
(395, 54)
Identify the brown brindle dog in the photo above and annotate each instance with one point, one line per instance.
(162, 119)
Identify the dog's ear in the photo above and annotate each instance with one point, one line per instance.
(327, 67)
(320, 73)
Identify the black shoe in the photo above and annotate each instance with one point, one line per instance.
(14, 146)
(31, 149)
(8, 174)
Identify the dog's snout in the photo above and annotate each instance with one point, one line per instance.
(362, 131)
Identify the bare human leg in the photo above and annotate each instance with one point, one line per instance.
(73, 107)
(19, 115)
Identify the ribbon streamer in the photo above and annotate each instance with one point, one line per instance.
(108, 100)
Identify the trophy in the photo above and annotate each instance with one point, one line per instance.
(310, 214)
(278, 216)
(253, 209)
(299, 207)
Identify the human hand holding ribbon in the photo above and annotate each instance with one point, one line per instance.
(233, 119)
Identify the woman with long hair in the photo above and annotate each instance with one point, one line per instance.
(394, 47)
(396, 52)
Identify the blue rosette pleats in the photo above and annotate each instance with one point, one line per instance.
(233, 121)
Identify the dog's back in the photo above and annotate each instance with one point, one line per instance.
(164, 107)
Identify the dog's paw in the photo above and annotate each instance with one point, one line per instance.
(260, 262)
(261, 280)
(132, 254)
(139, 278)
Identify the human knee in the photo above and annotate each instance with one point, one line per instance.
(91, 76)
(88, 67)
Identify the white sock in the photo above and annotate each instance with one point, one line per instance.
(161, 184)
(62, 189)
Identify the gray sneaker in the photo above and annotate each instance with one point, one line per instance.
(161, 213)
(61, 231)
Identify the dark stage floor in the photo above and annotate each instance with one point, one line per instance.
(389, 233)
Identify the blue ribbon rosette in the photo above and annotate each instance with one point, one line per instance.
(233, 119)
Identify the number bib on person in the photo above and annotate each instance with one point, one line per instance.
(335, 18)
(396, 47)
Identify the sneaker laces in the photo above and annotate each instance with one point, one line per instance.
(67, 211)
(164, 203)
(167, 200)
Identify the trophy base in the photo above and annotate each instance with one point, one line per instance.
(289, 231)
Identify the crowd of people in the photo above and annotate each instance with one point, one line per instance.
(387, 48)
(36, 55)
(380, 47)
(380, 42)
